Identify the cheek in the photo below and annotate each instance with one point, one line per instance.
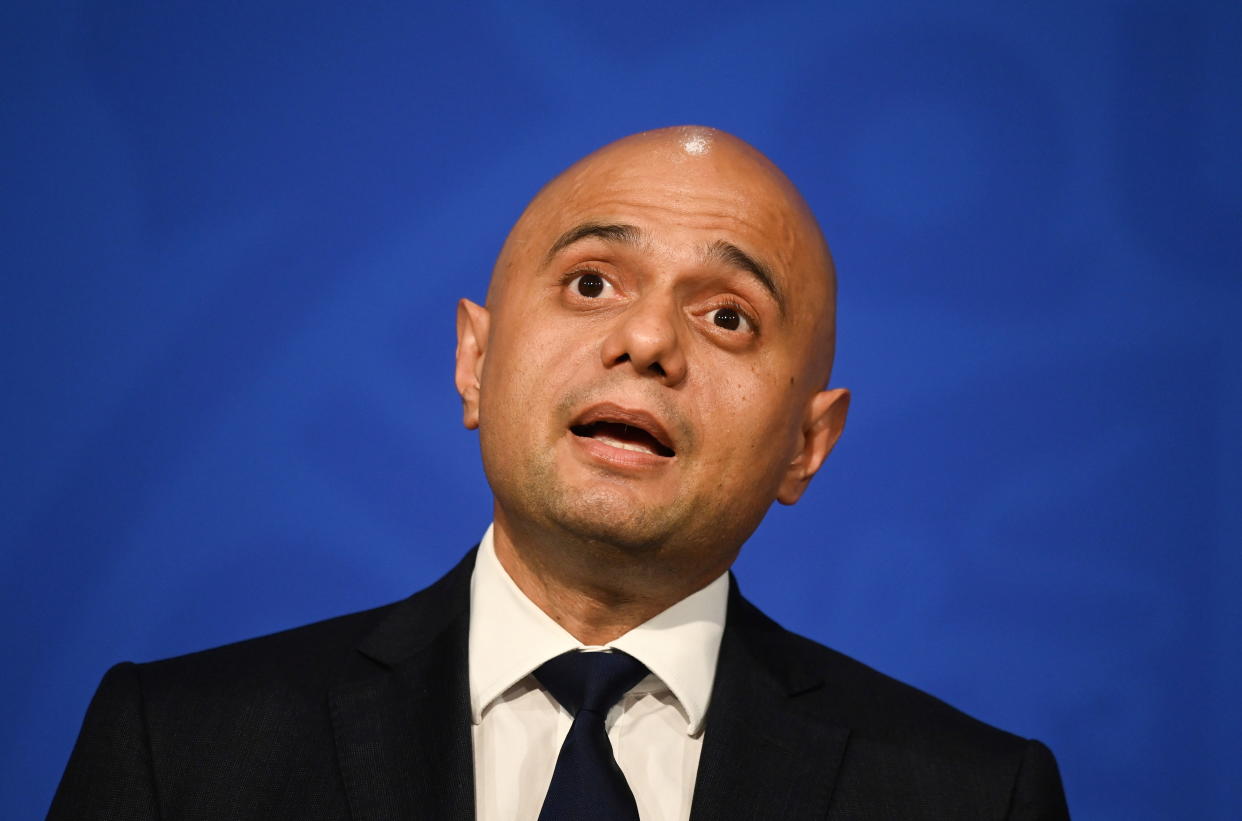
(529, 366)
(747, 417)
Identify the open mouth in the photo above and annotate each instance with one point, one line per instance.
(623, 435)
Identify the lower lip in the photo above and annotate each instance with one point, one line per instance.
(618, 457)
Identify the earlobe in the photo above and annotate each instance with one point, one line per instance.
(822, 426)
(473, 322)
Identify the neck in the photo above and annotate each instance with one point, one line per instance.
(595, 593)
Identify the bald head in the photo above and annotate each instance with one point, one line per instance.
(697, 175)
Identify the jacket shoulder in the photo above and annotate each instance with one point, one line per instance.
(907, 750)
(307, 656)
(312, 657)
(247, 729)
(182, 736)
(855, 695)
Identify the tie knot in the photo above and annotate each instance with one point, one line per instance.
(590, 681)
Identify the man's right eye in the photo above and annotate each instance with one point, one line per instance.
(589, 285)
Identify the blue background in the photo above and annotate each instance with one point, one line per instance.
(234, 232)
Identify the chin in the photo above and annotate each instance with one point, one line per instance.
(610, 517)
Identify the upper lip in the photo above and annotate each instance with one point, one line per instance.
(608, 412)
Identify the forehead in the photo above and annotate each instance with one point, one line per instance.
(671, 192)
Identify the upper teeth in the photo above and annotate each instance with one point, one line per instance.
(617, 443)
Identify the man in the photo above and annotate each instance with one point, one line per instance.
(649, 373)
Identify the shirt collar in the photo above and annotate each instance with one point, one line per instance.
(510, 637)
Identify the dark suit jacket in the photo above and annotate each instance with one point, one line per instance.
(367, 717)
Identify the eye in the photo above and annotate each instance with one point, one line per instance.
(590, 284)
(731, 318)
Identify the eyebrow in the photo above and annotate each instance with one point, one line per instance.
(719, 251)
(624, 234)
(735, 257)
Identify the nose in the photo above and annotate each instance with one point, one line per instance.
(647, 337)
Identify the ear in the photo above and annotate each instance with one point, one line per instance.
(822, 425)
(473, 322)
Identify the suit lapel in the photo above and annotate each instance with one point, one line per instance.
(401, 718)
(401, 715)
(765, 755)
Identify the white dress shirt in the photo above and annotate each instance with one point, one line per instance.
(656, 729)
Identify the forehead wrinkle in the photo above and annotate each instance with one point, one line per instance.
(682, 214)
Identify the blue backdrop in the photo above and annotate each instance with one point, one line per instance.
(234, 233)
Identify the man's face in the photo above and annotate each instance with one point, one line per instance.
(653, 347)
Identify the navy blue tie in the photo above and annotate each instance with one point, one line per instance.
(587, 782)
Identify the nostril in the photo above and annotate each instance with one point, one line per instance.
(657, 368)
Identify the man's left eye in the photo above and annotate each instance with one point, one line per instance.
(731, 319)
